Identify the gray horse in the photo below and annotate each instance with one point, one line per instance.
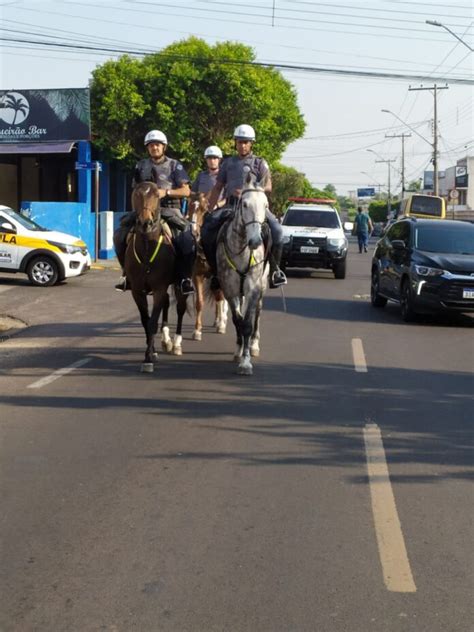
(242, 270)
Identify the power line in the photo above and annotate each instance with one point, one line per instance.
(209, 61)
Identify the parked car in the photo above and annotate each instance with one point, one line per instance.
(426, 266)
(314, 237)
(46, 256)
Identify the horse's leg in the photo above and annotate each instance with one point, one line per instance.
(255, 339)
(141, 302)
(221, 312)
(198, 283)
(245, 365)
(237, 320)
(159, 299)
(166, 342)
(180, 310)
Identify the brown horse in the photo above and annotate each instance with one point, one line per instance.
(150, 269)
(201, 274)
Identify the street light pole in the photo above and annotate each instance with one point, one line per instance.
(435, 23)
(435, 89)
(389, 199)
(402, 136)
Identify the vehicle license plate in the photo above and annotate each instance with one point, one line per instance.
(468, 293)
(310, 250)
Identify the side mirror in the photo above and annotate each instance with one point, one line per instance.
(398, 244)
(348, 227)
(7, 227)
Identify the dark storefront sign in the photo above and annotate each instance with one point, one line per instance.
(461, 178)
(428, 181)
(366, 192)
(32, 116)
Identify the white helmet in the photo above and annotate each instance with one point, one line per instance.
(244, 132)
(212, 151)
(155, 136)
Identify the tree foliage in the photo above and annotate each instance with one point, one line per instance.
(197, 94)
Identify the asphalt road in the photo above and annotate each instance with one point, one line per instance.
(329, 492)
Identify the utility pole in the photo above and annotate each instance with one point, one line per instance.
(435, 89)
(389, 199)
(402, 136)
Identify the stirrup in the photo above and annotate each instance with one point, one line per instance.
(122, 284)
(278, 278)
(186, 287)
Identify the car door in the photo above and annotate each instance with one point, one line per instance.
(399, 258)
(8, 243)
(383, 255)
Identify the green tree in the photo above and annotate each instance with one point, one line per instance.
(414, 185)
(197, 94)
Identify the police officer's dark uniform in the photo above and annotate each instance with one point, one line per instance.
(167, 174)
(231, 175)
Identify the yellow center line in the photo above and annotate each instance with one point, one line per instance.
(391, 544)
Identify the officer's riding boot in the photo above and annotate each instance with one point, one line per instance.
(209, 246)
(120, 245)
(184, 271)
(277, 276)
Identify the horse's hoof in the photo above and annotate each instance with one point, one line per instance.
(245, 370)
(221, 329)
(167, 345)
(197, 335)
(147, 367)
(178, 351)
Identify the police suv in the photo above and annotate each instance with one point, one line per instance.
(314, 236)
(46, 256)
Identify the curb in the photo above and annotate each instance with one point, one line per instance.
(98, 266)
(8, 333)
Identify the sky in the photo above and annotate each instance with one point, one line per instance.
(355, 58)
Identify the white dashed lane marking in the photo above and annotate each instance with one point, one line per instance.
(358, 354)
(391, 544)
(59, 373)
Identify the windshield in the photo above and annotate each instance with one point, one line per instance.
(21, 219)
(317, 219)
(426, 205)
(457, 240)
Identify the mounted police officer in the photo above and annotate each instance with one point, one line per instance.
(231, 179)
(173, 185)
(205, 180)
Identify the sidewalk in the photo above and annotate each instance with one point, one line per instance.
(106, 264)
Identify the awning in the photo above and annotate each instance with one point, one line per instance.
(36, 148)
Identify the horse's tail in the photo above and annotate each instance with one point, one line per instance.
(212, 296)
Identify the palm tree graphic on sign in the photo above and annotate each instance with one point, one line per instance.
(13, 106)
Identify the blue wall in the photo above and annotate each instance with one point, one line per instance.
(74, 218)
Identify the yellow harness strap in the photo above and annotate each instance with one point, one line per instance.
(155, 252)
(252, 261)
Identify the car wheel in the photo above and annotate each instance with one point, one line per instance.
(339, 269)
(406, 303)
(375, 298)
(42, 271)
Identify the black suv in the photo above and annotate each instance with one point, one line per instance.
(426, 266)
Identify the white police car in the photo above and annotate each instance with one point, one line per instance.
(46, 256)
(313, 236)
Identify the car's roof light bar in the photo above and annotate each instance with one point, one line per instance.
(304, 200)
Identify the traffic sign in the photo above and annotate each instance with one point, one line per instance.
(453, 194)
(89, 166)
